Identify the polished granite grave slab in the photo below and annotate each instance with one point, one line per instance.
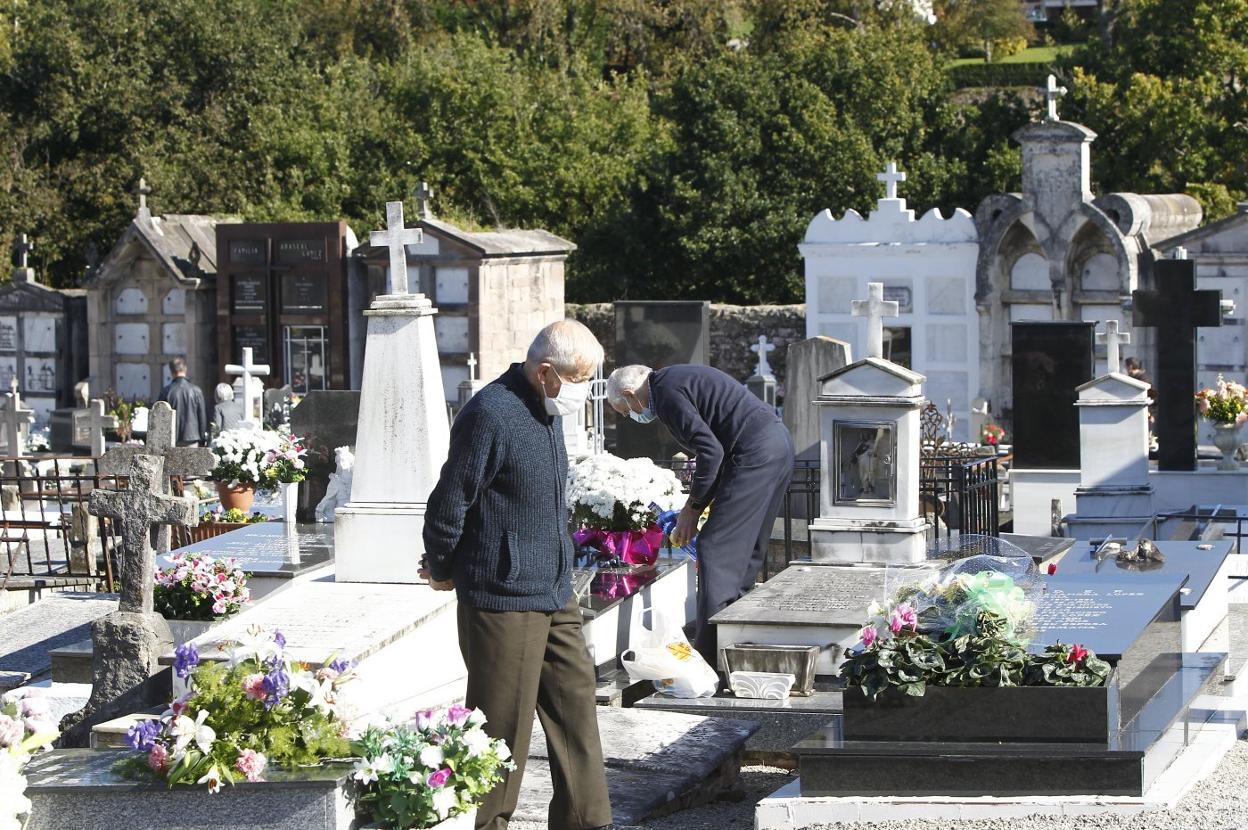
(1043, 549)
(1199, 568)
(1105, 616)
(271, 549)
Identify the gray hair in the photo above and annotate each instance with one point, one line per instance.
(225, 392)
(626, 379)
(568, 346)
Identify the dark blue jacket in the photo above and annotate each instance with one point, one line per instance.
(497, 521)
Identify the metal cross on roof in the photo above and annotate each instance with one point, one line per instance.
(875, 308)
(761, 348)
(1052, 92)
(424, 200)
(891, 178)
(1112, 338)
(396, 238)
(247, 370)
(22, 247)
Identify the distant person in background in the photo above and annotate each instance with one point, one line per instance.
(187, 401)
(228, 413)
(1135, 370)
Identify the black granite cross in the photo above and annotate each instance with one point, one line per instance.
(135, 510)
(1176, 309)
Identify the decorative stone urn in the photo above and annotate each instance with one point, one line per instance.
(1226, 439)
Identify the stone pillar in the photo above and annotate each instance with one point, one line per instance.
(1115, 497)
(402, 441)
(869, 452)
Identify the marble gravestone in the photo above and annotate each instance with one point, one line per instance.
(657, 334)
(807, 362)
(1050, 362)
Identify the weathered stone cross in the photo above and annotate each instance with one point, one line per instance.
(17, 421)
(891, 178)
(472, 366)
(424, 200)
(96, 421)
(761, 348)
(187, 462)
(141, 191)
(1052, 92)
(1112, 338)
(135, 510)
(22, 247)
(396, 238)
(247, 370)
(875, 308)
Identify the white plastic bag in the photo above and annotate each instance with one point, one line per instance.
(664, 656)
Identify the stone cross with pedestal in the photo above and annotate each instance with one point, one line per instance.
(17, 421)
(891, 178)
(247, 370)
(1112, 338)
(403, 435)
(471, 386)
(763, 383)
(1052, 93)
(95, 423)
(875, 308)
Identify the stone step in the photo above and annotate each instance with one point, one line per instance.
(617, 690)
(72, 663)
(29, 635)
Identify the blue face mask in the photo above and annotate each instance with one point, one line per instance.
(645, 416)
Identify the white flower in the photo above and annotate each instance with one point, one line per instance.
(477, 742)
(477, 718)
(431, 757)
(444, 800)
(186, 730)
(370, 769)
(212, 778)
(502, 750)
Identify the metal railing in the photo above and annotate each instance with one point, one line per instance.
(959, 494)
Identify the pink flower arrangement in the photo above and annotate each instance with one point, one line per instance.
(903, 616)
(198, 587)
(253, 687)
(251, 764)
(1225, 404)
(158, 758)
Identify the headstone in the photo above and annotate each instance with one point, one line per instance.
(404, 433)
(327, 419)
(1050, 362)
(806, 363)
(657, 334)
(763, 383)
(277, 404)
(17, 421)
(246, 371)
(472, 385)
(1175, 309)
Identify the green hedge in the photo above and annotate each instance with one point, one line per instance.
(999, 74)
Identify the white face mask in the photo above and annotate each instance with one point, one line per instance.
(570, 400)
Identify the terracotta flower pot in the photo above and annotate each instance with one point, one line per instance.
(237, 497)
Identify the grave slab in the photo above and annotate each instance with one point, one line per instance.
(274, 553)
(615, 606)
(29, 635)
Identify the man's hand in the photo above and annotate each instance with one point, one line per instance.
(686, 526)
(445, 585)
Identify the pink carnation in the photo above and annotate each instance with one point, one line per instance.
(869, 636)
(438, 779)
(458, 715)
(158, 758)
(251, 764)
(253, 686)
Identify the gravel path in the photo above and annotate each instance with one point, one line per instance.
(1218, 803)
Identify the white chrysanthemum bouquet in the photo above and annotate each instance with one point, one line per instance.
(613, 504)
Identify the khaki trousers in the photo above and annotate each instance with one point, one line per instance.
(521, 662)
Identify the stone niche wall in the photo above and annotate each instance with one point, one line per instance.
(734, 329)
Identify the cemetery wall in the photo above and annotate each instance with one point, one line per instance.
(734, 329)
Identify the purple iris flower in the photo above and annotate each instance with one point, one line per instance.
(279, 638)
(276, 687)
(142, 736)
(185, 658)
(340, 665)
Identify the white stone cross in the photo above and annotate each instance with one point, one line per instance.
(1112, 338)
(396, 238)
(761, 349)
(875, 308)
(891, 178)
(96, 421)
(1051, 93)
(23, 247)
(17, 422)
(1179, 253)
(472, 366)
(142, 190)
(424, 200)
(247, 370)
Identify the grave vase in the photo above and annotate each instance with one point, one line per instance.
(1226, 439)
(186, 630)
(290, 501)
(236, 496)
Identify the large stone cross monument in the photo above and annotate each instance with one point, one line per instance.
(247, 370)
(402, 435)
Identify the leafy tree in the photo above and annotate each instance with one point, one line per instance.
(962, 24)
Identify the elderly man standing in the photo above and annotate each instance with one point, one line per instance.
(744, 460)
(496, 532)
(187, 400)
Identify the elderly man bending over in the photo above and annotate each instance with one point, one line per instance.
(496, 532)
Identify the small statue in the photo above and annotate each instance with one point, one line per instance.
(1144, 556)
(338, 492)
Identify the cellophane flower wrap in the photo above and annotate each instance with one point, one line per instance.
(256, 710)
(285, 463)
(27, 726)
(243, 457)
(435, 766)
(196, 586)
(1225, 404)
(970, 623)
(613, 503)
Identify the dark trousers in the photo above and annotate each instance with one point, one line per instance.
(525, 661)
(733, 543)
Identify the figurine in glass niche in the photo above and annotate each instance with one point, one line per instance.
(338, 492)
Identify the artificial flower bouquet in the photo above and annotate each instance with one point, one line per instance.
(436, 766)
(26, 727)
(243, 457)
(969, 624)
(284, 462)
(257, 709)
(196, 586)
(992, 435)
(232, 516)
(1225, 405)
(616, 504)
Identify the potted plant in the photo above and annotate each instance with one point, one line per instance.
(257, 710)
(218, 521)
(196, 591)
(430, 772)
(26, 727)
(284, 468)
(616, 504)
(241, 465)
(1226, 407)
(950, 660)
